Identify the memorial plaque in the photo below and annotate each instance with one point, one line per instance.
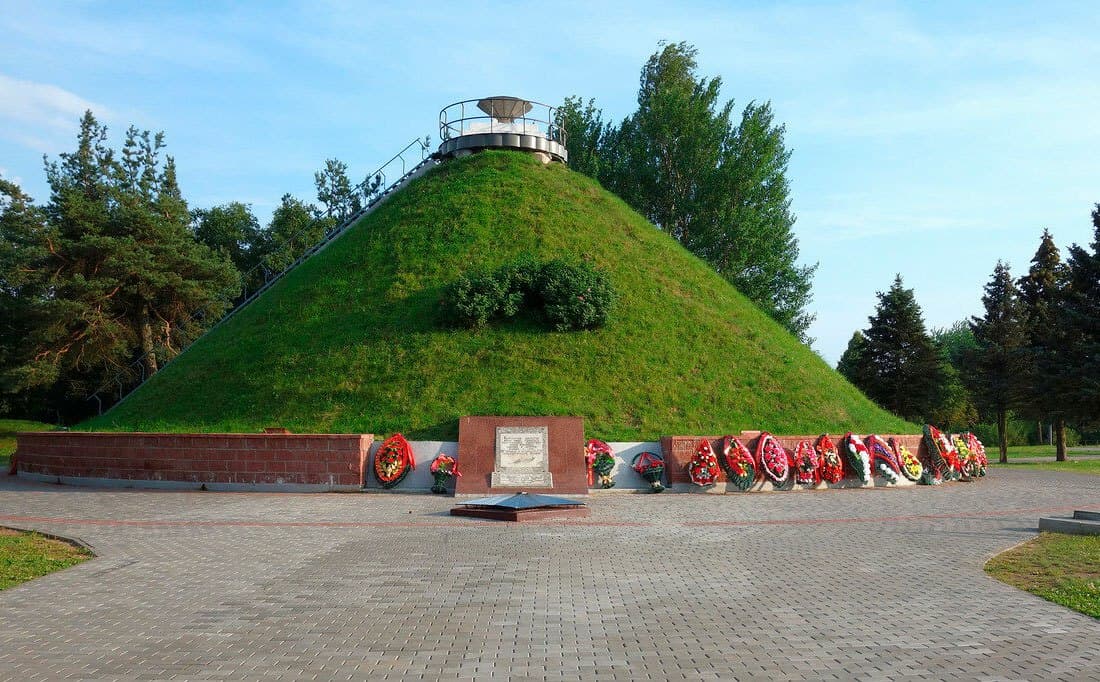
(522, 457)
(514, 454)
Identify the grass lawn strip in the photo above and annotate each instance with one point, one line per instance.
(1064, 569)
(25, 556)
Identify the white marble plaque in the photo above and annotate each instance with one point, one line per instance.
(522, 457)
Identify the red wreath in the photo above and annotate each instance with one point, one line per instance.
(703, 468)
(772, 458)
(832, 466)
(882, 452)
(393, 461)
(807, 464)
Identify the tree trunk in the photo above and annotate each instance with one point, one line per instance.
(1002, 434)
(1060, 439)
(148, 357)
(1039, 423)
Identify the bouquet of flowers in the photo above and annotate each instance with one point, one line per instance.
(832, 467)
(859, 457)
(950, 456)
(703, 467)
(773, 459)
(443, 468)
(600, 460)
(738, 463)
(807, 464)
(911, 467)
(884, 459)
(393, 461)
(650, 467)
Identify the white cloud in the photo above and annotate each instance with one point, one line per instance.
(39, 115)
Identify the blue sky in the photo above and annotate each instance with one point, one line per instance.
(930, 139)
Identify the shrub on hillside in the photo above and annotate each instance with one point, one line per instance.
(566, 295)
(574, 295)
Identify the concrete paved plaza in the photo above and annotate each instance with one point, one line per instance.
(864, 584)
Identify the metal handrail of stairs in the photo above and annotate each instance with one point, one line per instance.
(373, 191)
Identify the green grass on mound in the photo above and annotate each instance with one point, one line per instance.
(350, 341)
(8, 429)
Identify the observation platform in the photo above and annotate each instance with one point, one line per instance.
(501, 122)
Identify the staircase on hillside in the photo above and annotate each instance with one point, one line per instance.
(406, 165)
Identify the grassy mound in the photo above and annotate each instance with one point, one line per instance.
(350, 341)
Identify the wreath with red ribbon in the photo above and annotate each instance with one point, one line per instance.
(911, 468)
(832, 466)
(651, 467)
(858, 457)
(772, 458)
(978, 449)
(937, 468)
(807, 464)
(883, 459)
(738, 463)
(393, 461)
(703, 467)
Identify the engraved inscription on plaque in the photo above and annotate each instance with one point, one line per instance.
(522, 457)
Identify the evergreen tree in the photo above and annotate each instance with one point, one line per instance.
(1042, 291)
(335, 193)
(997, 365)
(899, 367)
(851, 361)
(954, 407)
(718, 188)
(1080, 318)
(123, 272)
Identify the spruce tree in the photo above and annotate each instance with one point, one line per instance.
(899, 367)
(1080, 318)
(1042, 291)
(851, 361)
(997, 364)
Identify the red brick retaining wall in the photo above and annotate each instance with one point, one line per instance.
(266, 459)
(678, 450)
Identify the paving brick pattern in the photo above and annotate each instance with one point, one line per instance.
(849, 584)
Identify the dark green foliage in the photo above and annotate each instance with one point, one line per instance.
(898, 366)
(1042, 292)
(851, 361)
(716, 186)
(349, 342)
(1080, 317)
(335, 192)
(567, 295)
(997, 364)
(574, 295)
(231, 229)
(114, 275)
(953, 408)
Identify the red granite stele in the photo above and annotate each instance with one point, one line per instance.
(477, 454)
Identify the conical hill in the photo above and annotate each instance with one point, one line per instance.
(350, 341)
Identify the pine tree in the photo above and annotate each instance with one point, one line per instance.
(997, 364)
(1080, 318)
(295, 227)
(1042, 291)
(335, 193)
(899, 367)
(124, 272)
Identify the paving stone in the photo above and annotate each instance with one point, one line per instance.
(844, 584)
